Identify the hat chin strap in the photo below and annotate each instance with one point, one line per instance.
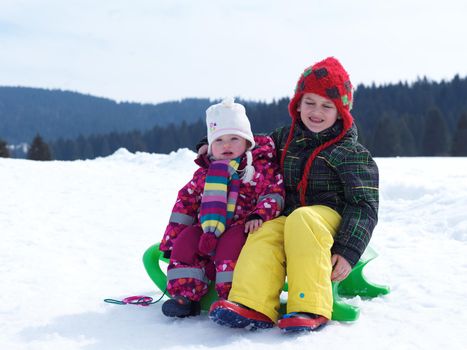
(249, 170)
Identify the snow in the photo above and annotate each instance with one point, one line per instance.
(73, 234)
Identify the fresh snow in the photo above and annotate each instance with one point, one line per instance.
(73, 234)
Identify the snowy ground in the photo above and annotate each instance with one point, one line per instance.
(73, 233)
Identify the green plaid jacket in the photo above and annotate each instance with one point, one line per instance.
(343, 177)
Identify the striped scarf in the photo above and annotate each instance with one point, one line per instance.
(220, 196)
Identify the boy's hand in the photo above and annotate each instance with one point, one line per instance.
(340, 268)
(252, 225)
(203, 150)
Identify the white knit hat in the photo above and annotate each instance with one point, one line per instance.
(226, 118)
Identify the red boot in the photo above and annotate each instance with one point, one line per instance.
(301, 322)
(234, 315)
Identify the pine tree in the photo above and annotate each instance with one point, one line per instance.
(4, 151)
(39, 150)
(85, 147)
(459, 142)
(386, 141)
(435, 140)
(406, 137)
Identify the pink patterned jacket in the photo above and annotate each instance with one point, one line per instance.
(263, 197)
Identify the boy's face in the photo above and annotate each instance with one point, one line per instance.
(316, 112)
(228, 146)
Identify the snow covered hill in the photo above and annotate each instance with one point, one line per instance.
(73, 233)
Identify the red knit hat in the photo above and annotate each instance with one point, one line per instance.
(327, 79)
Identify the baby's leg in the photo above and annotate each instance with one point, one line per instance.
(186, 271)
(228, 249)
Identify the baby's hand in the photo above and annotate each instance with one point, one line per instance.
(203, 150)
(252, 225)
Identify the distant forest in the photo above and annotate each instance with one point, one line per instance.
(54, 114)
(424, 118)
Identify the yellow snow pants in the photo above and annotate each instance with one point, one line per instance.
(297, 246)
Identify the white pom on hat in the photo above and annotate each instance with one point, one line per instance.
(249, 170)
(226, 118)
(228, 102)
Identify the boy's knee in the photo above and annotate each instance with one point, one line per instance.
(312, 221)
(315, 214)
(303, 213)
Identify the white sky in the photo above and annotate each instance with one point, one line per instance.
(154, 51)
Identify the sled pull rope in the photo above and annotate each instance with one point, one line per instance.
(141, 300)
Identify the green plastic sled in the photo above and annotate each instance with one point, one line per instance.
(354, 284)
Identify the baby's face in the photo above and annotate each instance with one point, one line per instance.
(228, 146)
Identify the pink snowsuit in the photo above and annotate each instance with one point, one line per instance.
(189, 271)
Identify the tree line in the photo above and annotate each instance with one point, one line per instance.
(392, 137)
(24, 112)
(39, 150)
(425, 118)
